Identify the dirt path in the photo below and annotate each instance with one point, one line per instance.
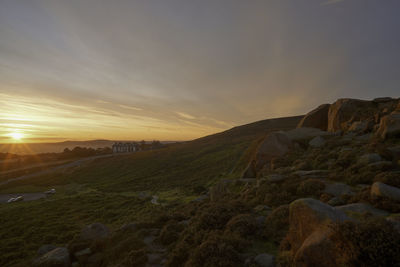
(60, 167)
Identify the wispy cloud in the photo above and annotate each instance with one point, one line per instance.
(331, 2)
(130, 107)
(185, 115)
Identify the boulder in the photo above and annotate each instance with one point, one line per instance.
(58, 257)
(317, 142)
(94, 232)
(379, 189)
(307, 215)
(360, 208)
(317, 250)
(274, 145)
(317, 118)
(369, 158)
(265, 260)
(338, 189)
(389, 126)
(345, 111)
(300, 134)
(44, 249)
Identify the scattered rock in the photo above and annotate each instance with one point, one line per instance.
(317, 142)
(58, 257)
(369, 158)
(44, 249)
(379, 189)
(338, 189)
(83, 255)
(360, 208)
(335, 201)
(265, 260)
(312, 173)
(94, 232)
(317, 118)
(381, 165)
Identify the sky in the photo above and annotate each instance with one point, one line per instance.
(179, 70)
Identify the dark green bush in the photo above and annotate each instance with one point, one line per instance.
(277, 224)
(371, 242)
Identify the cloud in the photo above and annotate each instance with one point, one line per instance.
(130, 107)
(331, 2)
(185, 115)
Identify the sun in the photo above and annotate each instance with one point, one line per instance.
(16, 136)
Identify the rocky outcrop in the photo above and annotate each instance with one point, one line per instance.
(300, 134)
(317, 118)
(345, 111)
(309, 221)
(58, 257)
(379, 189)
(389, 126)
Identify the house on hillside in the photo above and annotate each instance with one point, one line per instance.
(120, 147)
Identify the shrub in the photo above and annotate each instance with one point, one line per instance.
(372, 242)
(217, 251)
(311, 187)
(170, 232)
(277, 224)
(242, 224)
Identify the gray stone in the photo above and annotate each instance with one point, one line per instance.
(83, 255)
(317, 142)
(265, 260)
(312, 173)
(381, 165)
(338, 189)
(58, 257)
(335, 201)
(361, 208)
(379, 189)
(94, 232)
(370, 158)
(299, 134)
(44, 249)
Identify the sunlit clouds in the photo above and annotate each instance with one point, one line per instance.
(178, 70)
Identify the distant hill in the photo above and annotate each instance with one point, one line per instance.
(35, 148)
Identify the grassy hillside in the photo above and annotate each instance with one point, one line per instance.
(106, 190)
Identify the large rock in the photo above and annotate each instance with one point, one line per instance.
(338, 189)
(369, 158)
(389, 126)
(306, 216)
(300, 134)
(317, 118)
(58, 257)
(317, 142)
(379, 189)
(95, 232)
(265, 260)
(355, 209)
(345, 111)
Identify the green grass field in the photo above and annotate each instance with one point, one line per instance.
(106, 190)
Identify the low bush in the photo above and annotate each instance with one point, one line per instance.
(277, 224)
(371, 242)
